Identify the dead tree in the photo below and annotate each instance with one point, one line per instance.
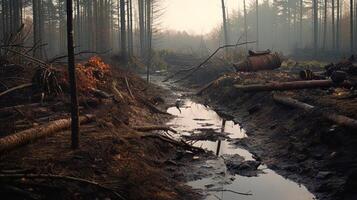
(148, 37)
(245, 25)
(333, 25)
(123, 49)
(141, 27)
(225, 28)
(316, 25)
(351, 27)
(72, 77)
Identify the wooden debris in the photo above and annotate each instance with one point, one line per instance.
(128, 87)
(181, 143)
(151, 106)
(6, 177)
(192, 70)
(293, 85)
(153, 128)
(26, 85)
(18, 139)
(335, 118)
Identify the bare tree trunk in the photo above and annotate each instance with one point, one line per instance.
(37, 36)
(149, 37)
(131, 46)
(245, 24)
(333, 26)
(141, 27)
(225, 28)
(72, 78)
(338, 25)
(301, 12)
(316, 31)
(78, 44)
(351, 27)
(124, 53)
(325, 26)
(257, 12)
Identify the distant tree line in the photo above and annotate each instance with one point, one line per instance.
(116, 26)
(319, 25)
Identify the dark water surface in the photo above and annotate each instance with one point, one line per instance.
(266, 186)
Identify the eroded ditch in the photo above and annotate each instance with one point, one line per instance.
(234, 169)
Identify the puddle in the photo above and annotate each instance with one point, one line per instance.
(191, 119)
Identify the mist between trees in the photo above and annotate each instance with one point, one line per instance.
(132, 27)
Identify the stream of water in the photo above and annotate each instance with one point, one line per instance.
(268, 185)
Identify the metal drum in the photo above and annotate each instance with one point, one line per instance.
(259, 62)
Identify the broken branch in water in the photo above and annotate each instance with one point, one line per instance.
(154, 128)
(194, 69)
(181, 143)
(6, 177)
(151, 106)
(225, 190)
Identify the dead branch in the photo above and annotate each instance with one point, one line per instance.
(200, 92)
(181, 143)
(76, 54)
(21, 138)
(128, 87)
(16, 88)
(335, 118)
(293, 85)
(196, 68)
(151, 107)
(225, 190)
(153, 128)
(40, 62)
(6, 177)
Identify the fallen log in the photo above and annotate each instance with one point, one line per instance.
(335, 118)
(293, 85)
(153, 128)
(16, 88)
(24, 137)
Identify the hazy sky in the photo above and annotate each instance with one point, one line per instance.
(195, 16)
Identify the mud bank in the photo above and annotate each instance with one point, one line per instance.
(301, 146)
(113, 160)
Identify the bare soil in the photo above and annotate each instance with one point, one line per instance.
(111, 153)
(301, 146)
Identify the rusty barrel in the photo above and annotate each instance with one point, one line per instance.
(259, 62)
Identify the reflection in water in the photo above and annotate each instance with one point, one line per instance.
(266, 186)
(219, 141)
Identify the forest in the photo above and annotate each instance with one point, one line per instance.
(178, 99)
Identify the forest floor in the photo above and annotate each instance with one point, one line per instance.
(119, 161)
(301, 146)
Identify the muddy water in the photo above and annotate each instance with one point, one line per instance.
(268, 185)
